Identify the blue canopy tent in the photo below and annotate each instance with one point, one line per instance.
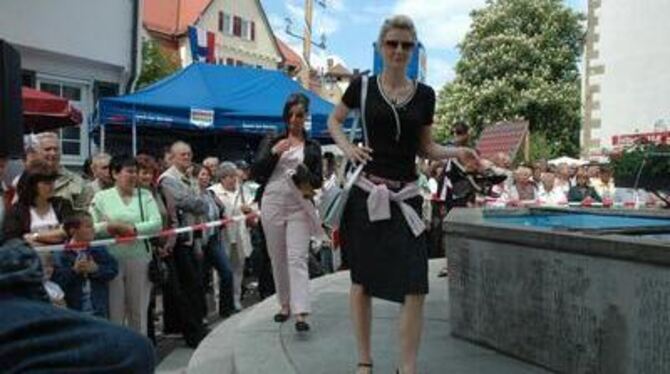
(204, 97)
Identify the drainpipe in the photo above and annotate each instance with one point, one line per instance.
(134, 38)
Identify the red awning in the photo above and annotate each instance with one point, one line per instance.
(505, 137)
(43, 111)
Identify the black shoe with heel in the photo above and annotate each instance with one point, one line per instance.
(281, 317)
(301, 326)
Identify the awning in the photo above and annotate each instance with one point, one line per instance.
(216, 98)
(43, 111)
(659, 137)
(568, 161)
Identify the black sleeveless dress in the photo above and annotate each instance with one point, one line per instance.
(385, 257)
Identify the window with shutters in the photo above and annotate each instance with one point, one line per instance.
(227, 24)
(246, 29)
(253, 30)
(237, 26)
(221, 21)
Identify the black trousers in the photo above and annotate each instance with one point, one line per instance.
(262, 264)
(183, 296)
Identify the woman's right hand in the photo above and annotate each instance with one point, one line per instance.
(358, 154)
(120, 229)
(281, 147)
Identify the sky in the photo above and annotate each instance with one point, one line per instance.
(351, 26)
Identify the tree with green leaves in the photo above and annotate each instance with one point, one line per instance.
(519, 60)
(156, 64)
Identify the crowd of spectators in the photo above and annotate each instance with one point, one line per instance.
(124, 196)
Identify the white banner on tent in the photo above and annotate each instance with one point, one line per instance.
(202, 117)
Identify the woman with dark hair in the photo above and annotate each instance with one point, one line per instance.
(137, 213)
(37, 215)
(288, 168)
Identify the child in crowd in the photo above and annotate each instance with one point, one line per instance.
(84, 275)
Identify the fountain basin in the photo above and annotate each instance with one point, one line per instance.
(572, 290)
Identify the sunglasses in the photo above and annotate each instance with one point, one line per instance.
(393, 44)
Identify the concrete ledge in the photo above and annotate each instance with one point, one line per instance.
(471, 223)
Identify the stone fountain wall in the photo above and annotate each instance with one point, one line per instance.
(539, 297)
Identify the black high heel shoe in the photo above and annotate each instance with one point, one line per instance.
(281, 317)
(301, 326)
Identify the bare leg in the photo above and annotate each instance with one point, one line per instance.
(411, 324)
(361, 317)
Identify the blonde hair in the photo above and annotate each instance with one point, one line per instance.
(101, 157)
(400, 22)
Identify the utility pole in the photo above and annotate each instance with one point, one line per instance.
(307, 42)
(306, 38)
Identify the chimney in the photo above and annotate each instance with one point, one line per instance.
(330, 63)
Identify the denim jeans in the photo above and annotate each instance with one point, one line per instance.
(215, 256)
(35, 336)
(38, 337)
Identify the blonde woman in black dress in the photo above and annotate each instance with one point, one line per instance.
(399, 114)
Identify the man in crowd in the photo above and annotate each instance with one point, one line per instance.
(524, 189)
(211, 163)
(187, 255)
(604, 183)
(102, 179)
(446, 199)
(539, 167)
(69, 185)
(548, 193)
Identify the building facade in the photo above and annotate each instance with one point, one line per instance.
(243, 36)
(77, 49)
(626, 80)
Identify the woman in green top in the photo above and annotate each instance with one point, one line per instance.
(126, 210)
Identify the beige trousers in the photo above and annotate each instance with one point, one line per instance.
(287, 229)
(129, 294)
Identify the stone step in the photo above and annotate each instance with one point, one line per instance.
(251, 342)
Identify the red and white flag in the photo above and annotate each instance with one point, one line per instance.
(202, 44)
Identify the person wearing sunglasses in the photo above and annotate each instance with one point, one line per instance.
(288, 168)
(398, 118)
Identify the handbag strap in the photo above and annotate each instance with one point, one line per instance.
(360, 119)
(139, 199)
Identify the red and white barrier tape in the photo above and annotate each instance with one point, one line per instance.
(76, 246)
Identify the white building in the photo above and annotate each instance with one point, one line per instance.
(78, 49)
(626, 84)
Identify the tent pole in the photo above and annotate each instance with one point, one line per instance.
(134, 133)
(102, 138)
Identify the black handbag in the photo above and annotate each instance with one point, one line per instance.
(158, 271)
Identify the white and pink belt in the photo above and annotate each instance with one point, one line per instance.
(380, 198)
